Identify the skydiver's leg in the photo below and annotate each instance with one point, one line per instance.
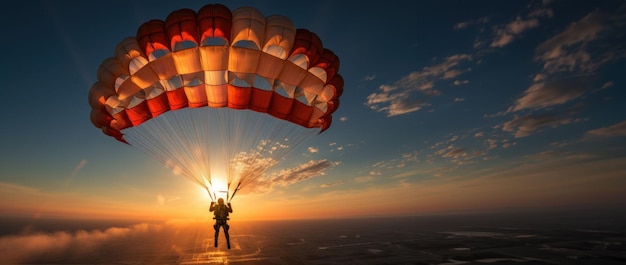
(226, 227)
(217, 232)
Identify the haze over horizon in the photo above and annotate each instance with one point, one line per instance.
(448, 106)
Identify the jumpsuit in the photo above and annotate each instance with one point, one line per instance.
(221, 212)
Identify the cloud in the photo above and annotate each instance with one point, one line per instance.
(404, 160)
(254, 163)
(615, 130)
(460, 82)
(376, 173)
(541, 12)
(471, 22)
(405, 106)
(72, 247)
(369, 77)
(508, 33)
(526, 125)
(543, 95)
(454, 73)
(607, 85)
(584, 46)
(491, 144)
(479, 134)
(78, 167)
(554, 155)
(286, 177)
(161, 200)
(567, 51)
(363, 179)
(11, 189)
(455, 153)
(343, 118)
(568, 59)
(404, 95)
(328, 185)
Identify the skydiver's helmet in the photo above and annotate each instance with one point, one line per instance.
(220, 201)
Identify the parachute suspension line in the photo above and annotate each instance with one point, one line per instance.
(234, 143)
(159, 139)
(209, 192)
(189, 149)
(256, 159)
(201, 136)
(228, 132)
(234, 192)
(267, 144)
(251, 163)
(227, 192)
(207, 144)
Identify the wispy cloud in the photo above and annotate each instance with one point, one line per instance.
(544, 95)
(331, 184)
(526, 125)
(364, 179)
(509, 32)
(570, 52)
(286, 177)
(10, 189)
(460, 82)
(162, 200)
(78, 167)
(491, 144)
(615, 130)
(84, 246)
(568, 59)
(607, 85)
(504, 34)
(404, 95)
(369, 77)
(454, 152)
(470, 22)
(399, 162)
(570, 49)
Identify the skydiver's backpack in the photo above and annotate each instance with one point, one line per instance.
(221, 212)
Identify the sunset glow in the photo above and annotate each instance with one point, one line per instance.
(447, 106)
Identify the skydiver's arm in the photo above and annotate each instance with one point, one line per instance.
(230, 208)
(212, 207)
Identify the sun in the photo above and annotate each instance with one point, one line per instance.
(215, 188)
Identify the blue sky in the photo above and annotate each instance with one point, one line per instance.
(447, 106)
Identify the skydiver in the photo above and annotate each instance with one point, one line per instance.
(221, 212)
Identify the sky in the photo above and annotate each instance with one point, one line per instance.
(448, 106)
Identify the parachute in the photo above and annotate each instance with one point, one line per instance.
(219, 96)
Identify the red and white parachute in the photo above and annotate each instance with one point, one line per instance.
(218, 96)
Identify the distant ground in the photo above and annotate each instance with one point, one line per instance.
(452, 239)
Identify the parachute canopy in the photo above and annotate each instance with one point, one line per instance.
(209, 89)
